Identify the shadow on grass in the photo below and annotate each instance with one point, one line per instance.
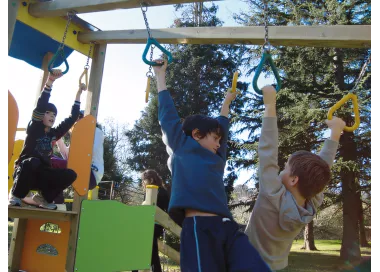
(316, 261)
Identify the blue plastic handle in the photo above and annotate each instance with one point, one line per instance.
(266, 57)
(152, 41)
(51, 62)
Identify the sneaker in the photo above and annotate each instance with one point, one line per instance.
(61, 207)
(14, 201)
(42, 203)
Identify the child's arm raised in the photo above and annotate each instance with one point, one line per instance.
(330, 148)
(171, 126)
(63, 149)
(269, 181)
(66, 124)
(224, 122)
(43, 100)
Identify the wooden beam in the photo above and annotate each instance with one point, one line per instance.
(55, 26)
(168, 251)
(12, 15)
(92, 102)
(24, 212)
(61, 7)
(17, 243)
(164, 220)
(339, 36)
(96, 77)
(74, 225)
(44, 74)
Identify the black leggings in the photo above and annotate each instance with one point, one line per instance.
(32, 174)
(155, 262)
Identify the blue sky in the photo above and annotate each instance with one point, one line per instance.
(124, 81)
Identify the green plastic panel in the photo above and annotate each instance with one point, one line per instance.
(114, 237)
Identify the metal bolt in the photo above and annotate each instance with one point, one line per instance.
(85, 189)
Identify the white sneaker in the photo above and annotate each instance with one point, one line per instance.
(43, 203)
(14, 201)
(61, 207)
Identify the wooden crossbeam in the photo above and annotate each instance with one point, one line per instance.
(168, 251)
(164, 220)
(36, 213)
(61, 7)
(339, 36)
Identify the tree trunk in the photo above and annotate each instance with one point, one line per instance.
(350, 249)
(308, 234)
(363, 238)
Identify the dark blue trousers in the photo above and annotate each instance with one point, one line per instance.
(215, 244)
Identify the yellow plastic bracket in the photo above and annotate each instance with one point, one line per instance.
(347, 97)
(84, 74)
(147, 90)
(152, 187)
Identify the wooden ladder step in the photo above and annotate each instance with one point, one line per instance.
(37, 213)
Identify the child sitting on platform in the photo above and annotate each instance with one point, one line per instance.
(33, 170)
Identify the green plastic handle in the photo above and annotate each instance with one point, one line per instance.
(152, 41)
(266, 57)
(51, 62)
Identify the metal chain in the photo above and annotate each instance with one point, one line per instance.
(88, 56)
(362, 72)
(266, 38)
(144, 9)
(150, 73)
(145, 19)
(69, 17)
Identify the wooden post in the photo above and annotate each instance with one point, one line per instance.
(151, 195)
(17, 243)
(96, 76)
(12, 14)
(44, 74)
(93, 194)
(93, 95)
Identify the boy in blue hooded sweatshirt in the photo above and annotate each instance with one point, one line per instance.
(210, 238)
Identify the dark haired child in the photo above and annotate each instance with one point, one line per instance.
(210, 238)
(289, 200)
(33, 170)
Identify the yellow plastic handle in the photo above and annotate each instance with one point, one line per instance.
(347, 97)
(147, 90)
(84, 74)
(234, 82)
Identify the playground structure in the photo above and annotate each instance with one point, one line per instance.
(86, 242)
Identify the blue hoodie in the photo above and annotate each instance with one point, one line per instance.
(197, 173)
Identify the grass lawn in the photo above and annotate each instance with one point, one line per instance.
(326, 259)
